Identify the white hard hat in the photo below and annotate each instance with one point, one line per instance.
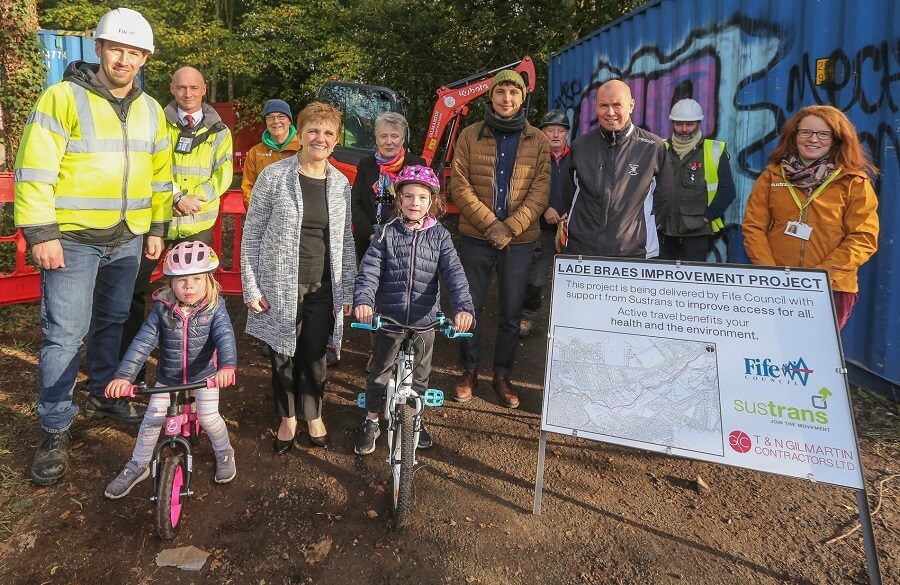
(126, 26)
(686, 110)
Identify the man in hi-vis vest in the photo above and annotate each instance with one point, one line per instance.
(201, 173)
(93, 175)
(703, 187)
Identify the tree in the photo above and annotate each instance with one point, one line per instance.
(22, 70)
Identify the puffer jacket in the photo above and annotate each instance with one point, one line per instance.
(843, 218)
(192, 347)
(258, 158)
(270, 252)
(398, 276)
(472, 182)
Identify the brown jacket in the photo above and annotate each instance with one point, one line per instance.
(472, 182)
(258, 158)
(843, 218)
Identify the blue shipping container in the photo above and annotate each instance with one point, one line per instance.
(751, 65)
(61, 47)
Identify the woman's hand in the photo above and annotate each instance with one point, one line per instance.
(261, 305)
(552, 217)
(117, 388)
(347, 310)
(225, 378)
(363, 314)
(463, 321)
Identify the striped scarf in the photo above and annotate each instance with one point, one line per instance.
(384, 186)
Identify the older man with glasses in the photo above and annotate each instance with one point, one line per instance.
(279, 141)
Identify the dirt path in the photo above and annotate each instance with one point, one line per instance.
(609, 515)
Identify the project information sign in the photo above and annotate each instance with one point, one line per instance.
(736, 365)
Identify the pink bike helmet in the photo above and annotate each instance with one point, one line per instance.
(190, 258)
(418, 174)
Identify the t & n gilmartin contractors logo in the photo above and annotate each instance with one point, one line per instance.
(766, 370)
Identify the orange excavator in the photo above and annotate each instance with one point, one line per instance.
(362, 104)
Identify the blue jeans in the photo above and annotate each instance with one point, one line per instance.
(94, 276)
(513, 266)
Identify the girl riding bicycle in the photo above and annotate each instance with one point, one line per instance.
(196, 341)
(399, 276)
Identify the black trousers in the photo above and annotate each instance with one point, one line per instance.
(382, 368)
(298, 381)
(687, 249)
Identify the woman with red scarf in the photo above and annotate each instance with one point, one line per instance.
(814, 205)
(373, 190)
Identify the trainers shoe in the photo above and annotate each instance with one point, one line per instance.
(129, 477)
(425, 441)
(365, 443)
(118, 409)
(225, 468)
(52, 459)
(526, 328)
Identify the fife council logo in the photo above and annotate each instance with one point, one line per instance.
(740, 441)
(792, 373)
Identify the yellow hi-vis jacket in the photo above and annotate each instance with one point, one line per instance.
(206, 171)
(88, 161)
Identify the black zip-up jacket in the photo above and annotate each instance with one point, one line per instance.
(617, 193)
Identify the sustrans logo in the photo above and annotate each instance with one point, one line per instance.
(766, 370)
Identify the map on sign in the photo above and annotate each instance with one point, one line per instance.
(652, 390)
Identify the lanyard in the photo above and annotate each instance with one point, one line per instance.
(815, 193)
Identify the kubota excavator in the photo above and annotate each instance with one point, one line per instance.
(362, 104)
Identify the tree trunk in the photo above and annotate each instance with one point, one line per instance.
(22, 71)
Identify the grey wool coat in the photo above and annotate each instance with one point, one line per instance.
(270, 252)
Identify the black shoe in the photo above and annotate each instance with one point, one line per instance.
(331, 358)
(52, 459)
(282, 447)
(118, 409)
(425, 441)
(365, 442)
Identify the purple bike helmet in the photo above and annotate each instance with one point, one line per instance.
(418, 174)
(190, 258)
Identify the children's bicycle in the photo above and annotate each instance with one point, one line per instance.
(403, 408)
(172, 462)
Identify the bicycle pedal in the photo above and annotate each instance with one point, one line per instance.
(361, 400)
(434, 397)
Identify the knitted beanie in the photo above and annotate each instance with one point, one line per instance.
(508, 76)
(277, 107)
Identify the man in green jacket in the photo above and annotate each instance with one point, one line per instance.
(201, 173)
(92, 177)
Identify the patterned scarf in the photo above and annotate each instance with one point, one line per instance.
(807, 177)
(384, 186)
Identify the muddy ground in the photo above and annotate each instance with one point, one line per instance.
(609, 514)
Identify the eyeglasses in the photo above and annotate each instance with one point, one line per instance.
(275, 117)
(823, 135)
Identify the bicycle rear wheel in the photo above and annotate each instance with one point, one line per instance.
(169, 503)
(402, 461)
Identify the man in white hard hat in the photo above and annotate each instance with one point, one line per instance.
(93, 175)
(703, 188)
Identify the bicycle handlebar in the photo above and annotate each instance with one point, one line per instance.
(143, 389)
(441, 323)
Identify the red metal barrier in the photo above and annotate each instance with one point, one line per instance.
(23, 284)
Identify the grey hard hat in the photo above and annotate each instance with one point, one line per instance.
(555, 117)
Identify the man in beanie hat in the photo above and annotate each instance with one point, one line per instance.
(501, 183)
(279, 141)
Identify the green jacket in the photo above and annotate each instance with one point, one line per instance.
(205, 171)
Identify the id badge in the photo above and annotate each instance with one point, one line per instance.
(796, 229)
(185, 141)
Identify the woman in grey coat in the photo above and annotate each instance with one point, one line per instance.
(298, 268)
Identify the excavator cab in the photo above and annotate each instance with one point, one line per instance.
(361, 105)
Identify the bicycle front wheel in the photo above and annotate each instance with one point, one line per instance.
(402, 461)
(169, 503)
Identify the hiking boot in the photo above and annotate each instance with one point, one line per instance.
(118, 409)
(462, 392)
(526, 328)
(129, 477)
(365, 443)
(505, 392)
(225, 468)
(425, 441)
(52, 459)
